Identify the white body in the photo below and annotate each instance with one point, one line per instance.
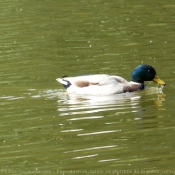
(99, 84)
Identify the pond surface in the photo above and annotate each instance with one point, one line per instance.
(46, 131)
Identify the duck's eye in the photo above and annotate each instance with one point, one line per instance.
(148, 70)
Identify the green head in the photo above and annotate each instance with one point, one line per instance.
(145, 72)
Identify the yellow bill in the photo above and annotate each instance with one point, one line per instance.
(158, 80)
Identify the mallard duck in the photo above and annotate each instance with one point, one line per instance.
(103, 84)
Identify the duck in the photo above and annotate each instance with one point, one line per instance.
(104, 84)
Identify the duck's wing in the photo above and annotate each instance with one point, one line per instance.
(90, 80)
(119, 79)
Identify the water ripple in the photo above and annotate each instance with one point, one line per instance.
(87, 118)
(87, 156)
(100, 132)
(72, 104)
(93, 148)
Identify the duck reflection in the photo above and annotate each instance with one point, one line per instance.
(70, 104)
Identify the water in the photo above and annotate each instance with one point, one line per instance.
(43, 130)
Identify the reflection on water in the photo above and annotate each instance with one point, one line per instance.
(98, 130)
(130, 122)
(71, 104)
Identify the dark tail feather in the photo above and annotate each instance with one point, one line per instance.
(64, 82)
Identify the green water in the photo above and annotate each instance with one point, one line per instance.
(45, 131)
